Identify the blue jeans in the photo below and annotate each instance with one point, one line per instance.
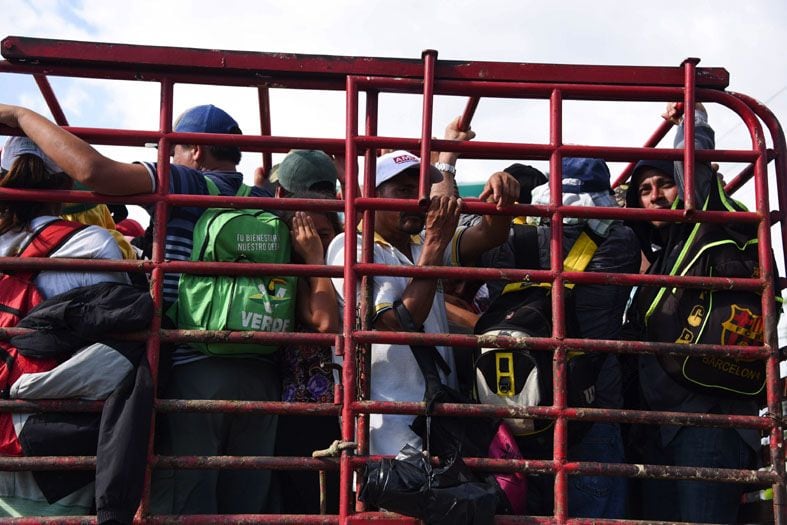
(588, 496)
(598, 496)
(696, 501)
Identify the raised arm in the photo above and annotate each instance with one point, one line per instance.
(441, 221)
(316, 296)
(446, 161)
(491, 230)
(704, 138)
(76, 157)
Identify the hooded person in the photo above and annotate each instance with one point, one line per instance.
(680, 383)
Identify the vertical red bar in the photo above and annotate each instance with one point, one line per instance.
(430, 59)
(689, 68)
(769, 314)
(348, 325)
(157, 275)
(265, 125)
(367, 256)
(51, 99)
(558, 311)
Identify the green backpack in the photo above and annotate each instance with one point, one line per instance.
(239, 303)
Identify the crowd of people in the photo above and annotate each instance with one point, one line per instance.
(48, 157)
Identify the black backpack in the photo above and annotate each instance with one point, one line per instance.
(726, 317)
(521, 377)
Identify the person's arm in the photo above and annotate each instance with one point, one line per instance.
(316, 298)
(76, 157)
(418, 296)
(447, 187)
(704, 138)
(491, 230)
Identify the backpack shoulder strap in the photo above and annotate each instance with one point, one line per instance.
(525, 241)
(212, 188)
(243, 190)
(49, 238)
(581, 253)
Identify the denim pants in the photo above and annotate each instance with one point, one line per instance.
(598, 496)
(588, 496)
(696, 501)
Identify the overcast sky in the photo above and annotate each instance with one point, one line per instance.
(746, 38)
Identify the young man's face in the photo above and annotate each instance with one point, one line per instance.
(403, 186)
(657, 191)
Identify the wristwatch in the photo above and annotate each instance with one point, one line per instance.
(448, 168)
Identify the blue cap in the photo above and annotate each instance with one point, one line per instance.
(585, 175)
(206, 119)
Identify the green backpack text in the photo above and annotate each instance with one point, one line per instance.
(238, 303)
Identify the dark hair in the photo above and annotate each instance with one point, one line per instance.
(528, 178)
(28, 172)
(229, 153)
(332, 216)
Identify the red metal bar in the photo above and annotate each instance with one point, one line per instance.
(350, 255)
(109, 57)
(157, 275)
(367, 256)
(689, 66)
(264, 97)
(424, 183)
(652, 142)
(467, 116)
(51, 100)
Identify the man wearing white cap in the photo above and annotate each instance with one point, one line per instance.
(416, 239)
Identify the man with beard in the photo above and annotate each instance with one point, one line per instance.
(417, 239)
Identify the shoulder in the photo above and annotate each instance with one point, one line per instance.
(92, 242)
(182, 180)
(335, 253)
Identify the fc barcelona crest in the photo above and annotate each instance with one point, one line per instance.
(743, 327)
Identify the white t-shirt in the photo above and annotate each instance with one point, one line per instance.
(395, 375)
(92, 242)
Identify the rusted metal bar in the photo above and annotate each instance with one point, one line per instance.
(424, 184)
(689, 66)
(467, 115)
(652, 142)
(350, 284)
(366, 305)
(578, 414)
(263, 95)
(111, 57)
(51, 100)
(246, 407)
(246, 463)
(775, 407)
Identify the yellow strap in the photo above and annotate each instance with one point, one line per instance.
(580, 254)
(578, 258)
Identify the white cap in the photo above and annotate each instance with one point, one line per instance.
(16, 146)
(392, 164)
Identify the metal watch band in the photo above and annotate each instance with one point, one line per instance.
(448, 168)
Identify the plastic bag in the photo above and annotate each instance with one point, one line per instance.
(445, 495)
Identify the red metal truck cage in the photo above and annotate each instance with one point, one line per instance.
(429, 77)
